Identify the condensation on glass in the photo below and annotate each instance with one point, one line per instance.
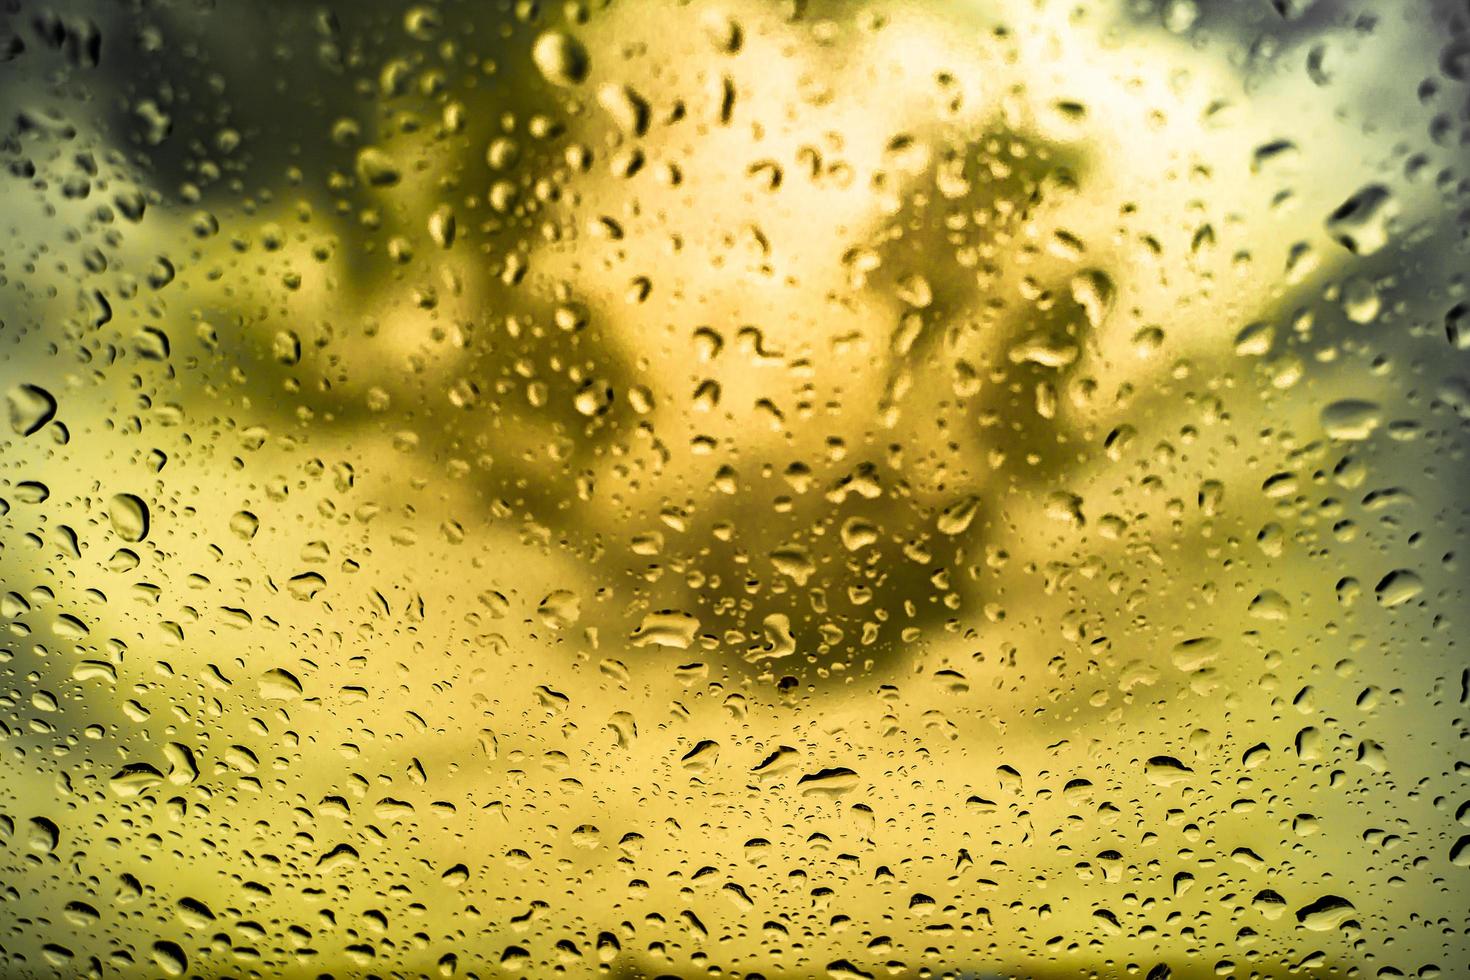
(734, 489)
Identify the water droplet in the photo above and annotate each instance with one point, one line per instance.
(1325, 914)
(957, 517)
(1361, 223)
(1398, 587)
(279, 684)
(1351, 419)
(129, 517)
(561, 58)
(668, 628)
(31, 407)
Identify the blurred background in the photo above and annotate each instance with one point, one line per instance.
(752, 489)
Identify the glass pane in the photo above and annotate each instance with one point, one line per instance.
(734, 489)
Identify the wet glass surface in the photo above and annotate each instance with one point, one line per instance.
(740, 489)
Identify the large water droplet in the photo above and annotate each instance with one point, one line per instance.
(129, 516)
(560, 58)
